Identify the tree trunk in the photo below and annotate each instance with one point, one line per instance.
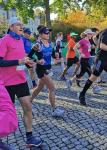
(47, 13)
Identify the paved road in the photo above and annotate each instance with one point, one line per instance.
(81, 128)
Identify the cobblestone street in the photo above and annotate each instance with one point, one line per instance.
(81, 128)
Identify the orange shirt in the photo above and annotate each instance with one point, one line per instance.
(71, 53)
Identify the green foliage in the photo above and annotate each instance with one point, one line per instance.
(32, 39)
(66, 28)
(98, 5)
(57, 7)
(78, 21)
(3, 25)
(25, 8)
(96, 12)
(63, 6)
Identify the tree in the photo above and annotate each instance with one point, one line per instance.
(62, 6)
(25, 8)
(47, 12)
(3, 25)
(96, 5)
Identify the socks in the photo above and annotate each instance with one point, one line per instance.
(28, 134)
(86, 87)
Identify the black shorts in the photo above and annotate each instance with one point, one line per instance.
(48, 67)
(42, 70)
(71, 61)
(20, 90)
(99, 66)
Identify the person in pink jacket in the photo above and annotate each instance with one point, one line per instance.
(8, 117)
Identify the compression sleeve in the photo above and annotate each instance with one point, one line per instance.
(8, 63)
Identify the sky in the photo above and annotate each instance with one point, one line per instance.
(52, 15)
(51, 1)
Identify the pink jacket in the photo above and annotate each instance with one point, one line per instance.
(8, 117)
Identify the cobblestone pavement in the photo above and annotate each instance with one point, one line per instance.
(81, 128)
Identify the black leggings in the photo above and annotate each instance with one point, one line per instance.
(85, 67)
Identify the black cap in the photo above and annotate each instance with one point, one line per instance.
(27, 30)
(44, 30)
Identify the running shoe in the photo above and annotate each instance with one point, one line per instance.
(96, 89)
(33, 142)
(58, 112)
(4, 146)
(82, 99)
(101, 81)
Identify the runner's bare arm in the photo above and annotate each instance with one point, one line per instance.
(103, 46)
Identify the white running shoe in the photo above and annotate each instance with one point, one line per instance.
(97, 89)
(58, 112)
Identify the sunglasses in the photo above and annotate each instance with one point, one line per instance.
(46, 33)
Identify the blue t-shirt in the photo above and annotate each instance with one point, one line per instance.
(27, 45)
(47, 53)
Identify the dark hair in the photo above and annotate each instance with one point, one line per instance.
(8, 31)
(94, 29)
(39, 27)
(50, 30)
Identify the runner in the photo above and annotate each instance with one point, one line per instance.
(96, 89)
(43, 52)
(27, 46)
(100, 64)
(58, 50)
(12, 57)
(94, 52)
(84, 47)
(71, 56)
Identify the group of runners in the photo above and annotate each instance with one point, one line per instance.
(17, 55)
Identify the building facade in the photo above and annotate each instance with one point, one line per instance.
(7, 14)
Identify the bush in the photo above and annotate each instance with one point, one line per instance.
(66, 28)
(78, 21)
